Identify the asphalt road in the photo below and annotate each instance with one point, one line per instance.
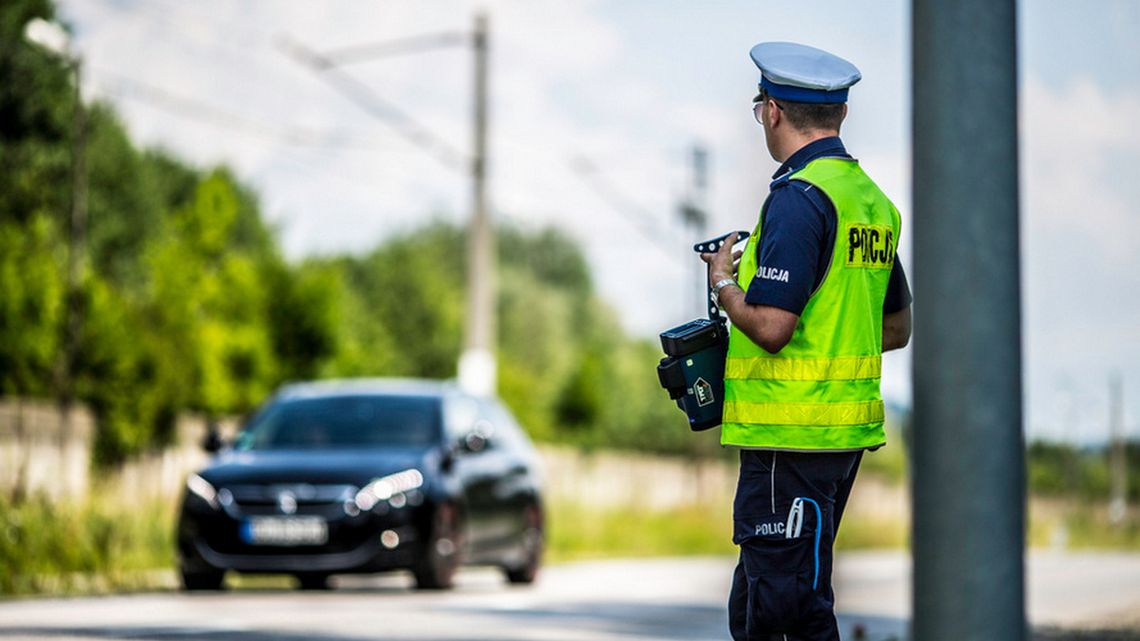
(626, 600)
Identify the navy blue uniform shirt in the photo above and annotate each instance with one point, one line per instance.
(797, 234)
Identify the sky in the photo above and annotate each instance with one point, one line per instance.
(595, 109)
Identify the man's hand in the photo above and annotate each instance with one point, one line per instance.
(723, 264)
(769, 327)
(896, 329)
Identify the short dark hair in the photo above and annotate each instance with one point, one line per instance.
(807, 116)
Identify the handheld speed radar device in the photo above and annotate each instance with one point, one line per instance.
(693, 368)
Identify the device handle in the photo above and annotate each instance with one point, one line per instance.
(711, 247)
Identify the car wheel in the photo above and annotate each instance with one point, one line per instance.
(196, 581)
(442, 551)
(313, 581)
(532, 548)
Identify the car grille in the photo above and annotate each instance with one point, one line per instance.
(301, 499)
(222, 533)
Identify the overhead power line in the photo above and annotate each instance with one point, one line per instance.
(639, 217)
(403, 46)
(400, 121)
(189, 108)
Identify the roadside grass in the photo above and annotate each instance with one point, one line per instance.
(888, 463)
(1079, 525)
(103, 545)
(576, 531)
(865, 533)
(95, 546)
(1058, 634)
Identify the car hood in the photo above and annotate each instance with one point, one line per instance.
(316, 467)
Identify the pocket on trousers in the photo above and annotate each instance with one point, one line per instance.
(778, 573)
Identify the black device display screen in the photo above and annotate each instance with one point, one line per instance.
(343, 422)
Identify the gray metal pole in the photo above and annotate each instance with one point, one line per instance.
(968, 461)
(477, 365)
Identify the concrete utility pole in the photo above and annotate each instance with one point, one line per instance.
(1118, 461)
(969, 459)
(477, 363)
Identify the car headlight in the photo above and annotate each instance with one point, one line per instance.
(201, 488)
(389, 488)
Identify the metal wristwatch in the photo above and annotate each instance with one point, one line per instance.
(721, 284)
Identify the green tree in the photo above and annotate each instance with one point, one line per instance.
(413, 286)
(306, 313)
(125, 209)
(31, 307)
(209, 299)
(128, 373)
(37, 101)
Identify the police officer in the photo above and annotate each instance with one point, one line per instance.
(818, 296)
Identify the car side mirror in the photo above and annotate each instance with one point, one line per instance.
(213, 442)
(447, 458)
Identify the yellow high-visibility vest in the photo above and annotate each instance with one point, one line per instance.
(821, 391)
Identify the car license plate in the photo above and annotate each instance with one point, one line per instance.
(289, 530)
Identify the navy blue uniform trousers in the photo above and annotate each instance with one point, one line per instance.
(785, 516)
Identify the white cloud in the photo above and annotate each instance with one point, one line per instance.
(1081, 265)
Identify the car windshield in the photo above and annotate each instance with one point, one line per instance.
(343, 422)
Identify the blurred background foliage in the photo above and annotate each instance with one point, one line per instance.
(1062, 470)
(188, 304)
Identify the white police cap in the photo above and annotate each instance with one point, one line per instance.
(800, 73)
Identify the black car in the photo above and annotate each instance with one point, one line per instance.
(364, 476)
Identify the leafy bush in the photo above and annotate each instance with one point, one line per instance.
(51, 547)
